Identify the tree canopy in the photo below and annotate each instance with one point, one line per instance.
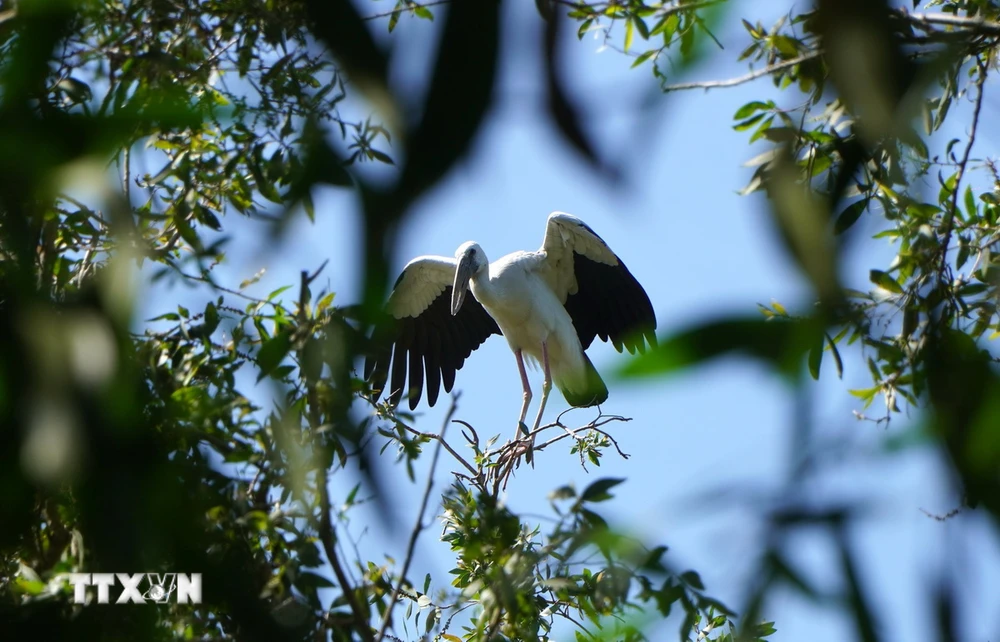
(138, 134)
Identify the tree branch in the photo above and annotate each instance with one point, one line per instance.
(739, 80)
(949, 220)
(419, 525)
(440, 439)
(326, 536)
(409, 7)
(931, 19)
(326, 533)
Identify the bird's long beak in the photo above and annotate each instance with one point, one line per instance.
(461, 285)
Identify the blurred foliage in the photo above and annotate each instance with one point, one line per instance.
(873, 127)
(136, 134)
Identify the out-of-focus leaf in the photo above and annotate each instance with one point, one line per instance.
(751, 107)
(836, 357)
(803, 222)
(816, 356)
(561, 108)
(866, 63)
(779, 342)
(692, 579)
(860, 606)
(598, 490)
(272, 352)
(458, 98)
(338, 24)
(885, 281)
(849, 216)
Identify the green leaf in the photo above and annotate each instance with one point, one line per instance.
(786, 46)
(885, 281)
(598, 491)
(750, 108)
(816, 357)
(640, 26)
(465, 65)
(307, 578)
(382, 156)
(272, 352)
(169, 316)
(211, 318)
(836, 356)
(780, 342)
(628, 34)
(652, 561)
(275, 293)
(970, 202)
(692, 579)
(749, 122)
(563, 492)
(393, 19)
(643, 57)
(849, 216)
(325, 302)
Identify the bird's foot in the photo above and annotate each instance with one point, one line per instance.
(510, 459)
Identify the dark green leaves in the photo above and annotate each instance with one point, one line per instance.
(849, 216)
(459, 95)
(562, 109)
(273, 352)
(885, 281)
(598, 490)
(338, 24)
(779, 342)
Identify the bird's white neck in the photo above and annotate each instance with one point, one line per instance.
(482, 287)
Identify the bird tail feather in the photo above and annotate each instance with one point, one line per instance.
(582, 389)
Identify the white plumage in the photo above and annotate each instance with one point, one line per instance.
(549, 304)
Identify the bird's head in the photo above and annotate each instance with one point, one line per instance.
(471, 261)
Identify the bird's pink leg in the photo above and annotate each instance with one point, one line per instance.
(527, 391)
(546, 387)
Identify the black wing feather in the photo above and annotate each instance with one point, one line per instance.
(436, 344)
(432, 366)
(610, 304)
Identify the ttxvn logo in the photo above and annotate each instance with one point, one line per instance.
(139, 588)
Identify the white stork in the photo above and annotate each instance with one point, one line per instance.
(549, 305)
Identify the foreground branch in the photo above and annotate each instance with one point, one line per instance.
(972, 24)
(753, 75)
(419, 525)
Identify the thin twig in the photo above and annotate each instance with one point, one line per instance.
(960, 172)
(419, 525)
(221, 288)
(409, 7)
(508, 454)
(739, 80)
(965, 22)
(440, 440)
(946, 516)
(326, 536)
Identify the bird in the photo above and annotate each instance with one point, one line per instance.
(550, 305)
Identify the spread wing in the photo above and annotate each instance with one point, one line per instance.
(601, 295)
(423, 338)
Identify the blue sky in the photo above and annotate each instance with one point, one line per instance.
(700, 250)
